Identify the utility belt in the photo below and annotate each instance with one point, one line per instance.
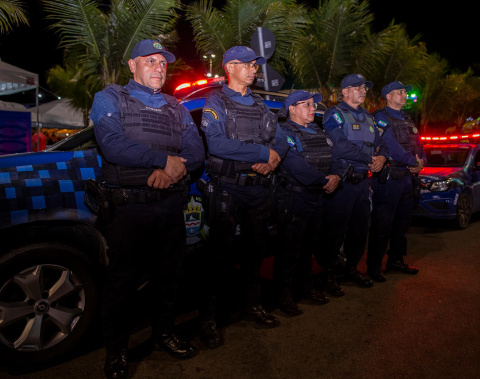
(355, 177)
(248, 180)
(101, 199)
(131, 195)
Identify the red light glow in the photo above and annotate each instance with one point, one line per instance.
(450, 138)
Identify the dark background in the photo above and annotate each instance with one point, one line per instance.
(452, 33)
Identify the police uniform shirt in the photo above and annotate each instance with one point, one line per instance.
(345, 149)
(395, 150)
(296, 165)
(213, 124)
(121, 150)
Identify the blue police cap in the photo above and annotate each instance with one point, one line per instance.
(354, 80)
(150, 46)
(243, 54)
(301, 95)
(393, 86)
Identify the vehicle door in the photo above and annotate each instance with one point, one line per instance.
(476, 178)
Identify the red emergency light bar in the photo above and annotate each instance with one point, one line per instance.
(200, 82)
(450, 138)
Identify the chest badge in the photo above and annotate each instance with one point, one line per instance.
(415, 130)
(371, 129)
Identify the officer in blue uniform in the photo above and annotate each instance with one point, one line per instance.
(243, 151)
(148, 144)
(393, 196)
(306, 172)
(357, 142)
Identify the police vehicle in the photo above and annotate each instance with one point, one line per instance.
(450, 182)
(51, 253)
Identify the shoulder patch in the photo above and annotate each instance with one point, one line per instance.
(290, 141)
(337, 118)
(212, 112)
(382, 123)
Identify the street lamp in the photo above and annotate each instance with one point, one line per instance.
(209, 58)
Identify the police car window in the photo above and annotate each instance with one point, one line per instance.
(446, 157)
(197, 119)
(82, 140)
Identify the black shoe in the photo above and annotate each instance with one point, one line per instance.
(263, 319)
(332, 287)
(176, 346)
(377, 276)
(210, 335)
(401, 266)
(356, 277)
(116, 364)
(288, 306)
(317, 297)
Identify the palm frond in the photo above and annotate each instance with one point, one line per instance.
(12, 13)
(212, 31)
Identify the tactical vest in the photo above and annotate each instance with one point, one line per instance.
(159, 128)
(361, 133)
(405, 132)
(247, 123)
(316, 149)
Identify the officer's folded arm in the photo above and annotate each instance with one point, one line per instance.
(119, 149)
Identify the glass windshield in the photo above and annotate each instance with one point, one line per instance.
(446, 156)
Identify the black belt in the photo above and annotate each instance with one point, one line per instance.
(130, 195)
(247, 180)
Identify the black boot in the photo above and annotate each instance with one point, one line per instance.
(116, 364)
(210, 335)
(262, 318)
(332, 287)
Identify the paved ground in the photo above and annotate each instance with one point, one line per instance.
(424, 326)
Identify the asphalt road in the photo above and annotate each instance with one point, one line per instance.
(423, 326)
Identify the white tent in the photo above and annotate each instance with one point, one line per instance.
(57, 114)
(14, 79)
(13, 107)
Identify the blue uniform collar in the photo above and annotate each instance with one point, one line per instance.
(395, 113)
(308, 129)
(133, 85)
(231, 93)
(358, 110)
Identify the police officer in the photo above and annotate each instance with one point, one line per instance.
(306, 172)
(243, 153)
(148, 144)
(393, 196)
(357, 142)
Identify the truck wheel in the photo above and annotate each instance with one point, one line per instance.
(49, 296)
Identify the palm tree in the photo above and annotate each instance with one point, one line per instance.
(215, 31)
(101, 39)
(98, 40)
(11, 13)
(328, 49)
(392, 55)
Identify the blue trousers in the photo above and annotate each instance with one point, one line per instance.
(346, 218)
(391, 216)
